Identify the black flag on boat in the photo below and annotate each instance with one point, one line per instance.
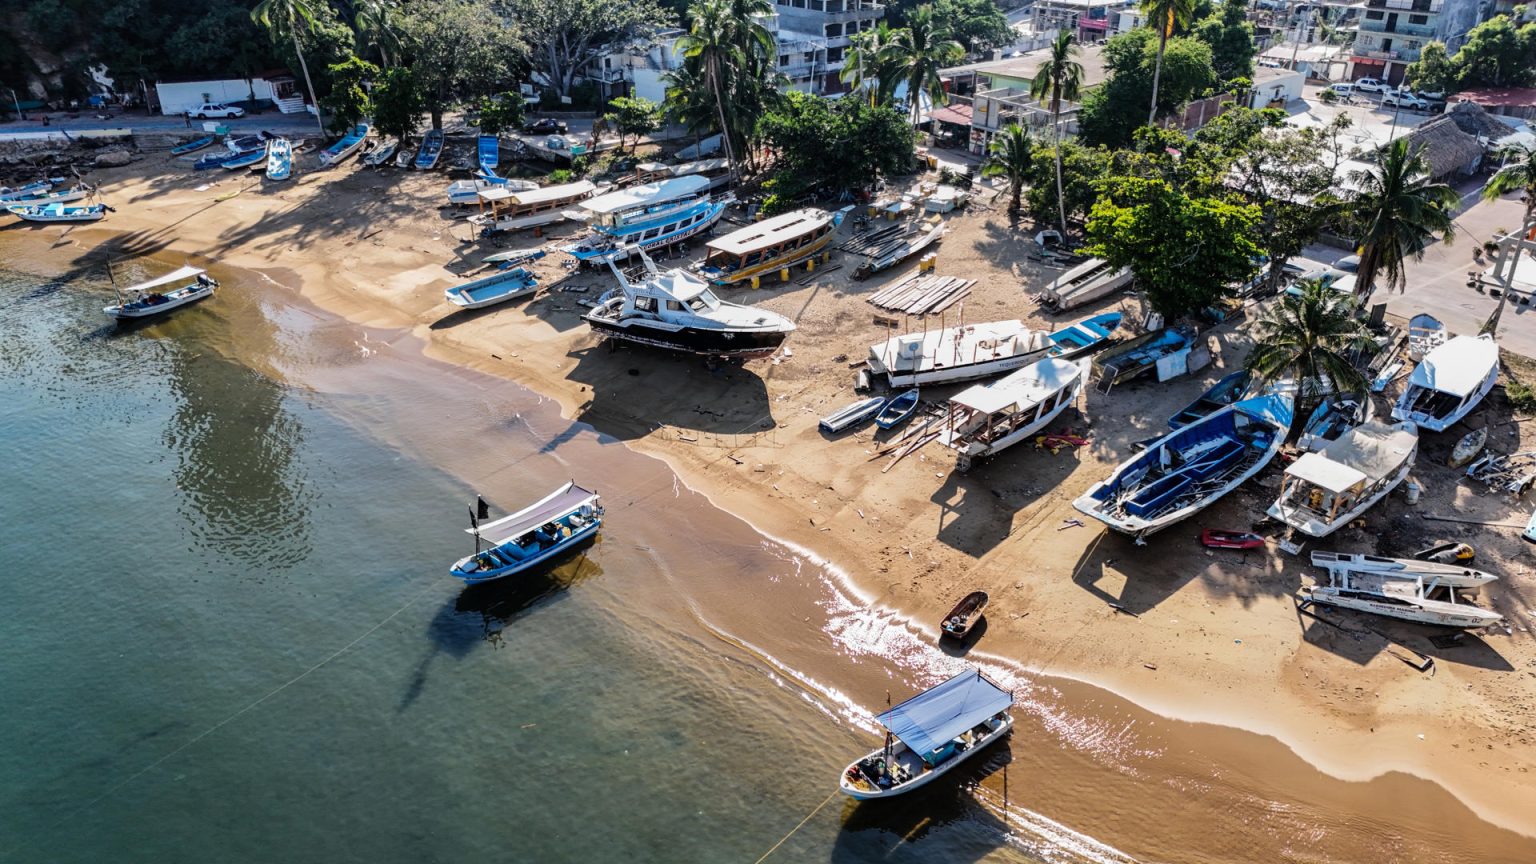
(482, 509)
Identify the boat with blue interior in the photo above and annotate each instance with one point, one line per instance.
(147, 299)
(1155, 350)
(488, 153)
(535, 535)
(929, 734)
(1231, 388)
(60, 212)
(192, 146)
(431, 150)
(1190, 468)
(13, 194)
(649, 216)
(1086, 336)
(1334, 416)
(350, 143)
(495, 288)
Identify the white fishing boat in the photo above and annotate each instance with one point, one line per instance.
(768, 246)
(60, 212)
(1449, 382)
(1190, 468)
(1454, 575)
(717, 170)
(41, 197)
(506, 209)
(962, 353)
(465, 192)
(146, 299)
(1091, 280)
(986, 419)
(851, 415)
(14, 194)
(493, 289)
(1322, 492)
(929, 734)
(1423, 599)
(279, 159)
(381, 155)
(1425, 334)
(350, 143)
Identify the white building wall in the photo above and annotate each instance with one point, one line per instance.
(182, 96)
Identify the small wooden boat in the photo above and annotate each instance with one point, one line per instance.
(146, 300)
(852, 415)
(192, 146)
(380, 155)
(535, 535)
(1228, 390)
(1468, 447)
(516, 256)
(1212, 538)
(488, 153)
(279, 159)
(60, 212)
(1447, 553)
(493, 289)
(898, 410)
(964, 616)
(244, 160)
(929, 734)
(1425, 334)
(349, 144)
(1085, 336)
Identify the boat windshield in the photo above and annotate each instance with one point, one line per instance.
(704, 300)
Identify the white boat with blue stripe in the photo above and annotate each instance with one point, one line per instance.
(646, 217)
(536, 535)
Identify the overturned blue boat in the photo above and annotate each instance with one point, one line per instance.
(536, 535)
(1189, 469)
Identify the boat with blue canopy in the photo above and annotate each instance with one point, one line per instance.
(1086, 336)
(929, 734)
(1190, 468)
(535, 535)
(1229, 389)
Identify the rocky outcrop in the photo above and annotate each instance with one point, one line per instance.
(113, 158)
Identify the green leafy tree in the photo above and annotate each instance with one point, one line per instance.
(633, 116)
(1082, 169)
(1517, 175)
(1308, 337)
(1231, 39)
(458, 49)
(821, 144)
(348, 101)
(501, 112)
(1009, 155)
(1497, 54)
(397, 103)
(1110, 113)
(1187, 252)
(1163, 16)
(1399, 210)
(916, 54)
(290, 18)
(867, 63)
(1433, 72)
(1059, 78)
(978, 25)
(565, 37)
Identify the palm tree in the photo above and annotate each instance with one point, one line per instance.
(374, 22)
(1060, 77)
(288, 17)
(1164, 15)
(916, 54)
(1400, 210)
(725, 40)
(1517, 175)
(1010, 155)
(864, 62)
(1307, 337)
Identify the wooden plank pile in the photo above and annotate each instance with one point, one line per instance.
(922, 295)
(878, 242)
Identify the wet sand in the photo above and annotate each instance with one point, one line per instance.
(1221, 631)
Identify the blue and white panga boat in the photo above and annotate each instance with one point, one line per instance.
(145, 299)
(566, 518)
(929, 734)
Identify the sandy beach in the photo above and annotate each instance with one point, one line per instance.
(1199, 635)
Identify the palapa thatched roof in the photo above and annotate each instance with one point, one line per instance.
(1446, 148)
(1473, 120)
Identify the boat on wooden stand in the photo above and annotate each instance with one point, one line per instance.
(929, 734)
(1449, 382)
(986, 419)
(146, 299)
(505, 209)
(1322, 492)
(768, 246)
(964, 617)
(533, 536)
(962, 353)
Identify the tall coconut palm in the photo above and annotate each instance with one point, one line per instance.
(1060, 78)
(1517, 175)
(373, 20)
(1164, 15)
(916, 54)
(287, 18)
(1400, 210)
(864, 64)
(1010, 155)
(711, 41)
(1308, 337)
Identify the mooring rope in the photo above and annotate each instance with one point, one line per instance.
(775, 847)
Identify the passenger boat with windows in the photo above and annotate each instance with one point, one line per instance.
(146, 299)
(986, 419)
(962, 353)
(535, 535)
(768, 246)
(1322, 492)
(929, 734)
(503, 208)
(646, 217)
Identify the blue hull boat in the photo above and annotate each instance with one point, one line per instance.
(488, 150)
(244, 160)
(1223, 393)
(898, 410)
(565, 519)
(1085, 336)
(431, 149)
(192, 146)
(279, 159)
(496, 288)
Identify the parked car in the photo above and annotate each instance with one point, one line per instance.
(216, 109)
(1372, 85)
(1342, 88)
(545, 126)
(1349, 264)
(1404, 99)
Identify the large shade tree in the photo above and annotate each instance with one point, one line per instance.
(1163, 16)
(290, 18)
(1059, 78)
(1398, 211)
(565, 37)
(458, 49)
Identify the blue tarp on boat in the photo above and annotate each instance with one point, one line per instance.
(931, 719)
(1277, 408)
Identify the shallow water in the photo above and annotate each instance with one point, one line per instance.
(231, 634)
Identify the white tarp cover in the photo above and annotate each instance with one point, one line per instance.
(180, 275)
(1324, 473)
(931, 719)
(1458, 367)
(647, 193)
(566, 499)
(1027, 387)
(1370, 451)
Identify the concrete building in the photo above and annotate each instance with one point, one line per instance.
(1391, 33)
(814, 37)
(1092, 20)
(278, 87)
(990, 95)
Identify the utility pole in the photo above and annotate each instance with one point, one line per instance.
(1505, 259)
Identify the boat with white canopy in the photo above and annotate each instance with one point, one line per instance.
(1449, 382)
(146, 299)
(958, 353)
(768, 246)
(929, 734)
(504, 208)
(532, 536)
(986, 419)
(1325, 491)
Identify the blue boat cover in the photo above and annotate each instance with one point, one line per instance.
(1277, 408)
(932, 718)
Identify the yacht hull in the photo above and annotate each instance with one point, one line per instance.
(731, 344)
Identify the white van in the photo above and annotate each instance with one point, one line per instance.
(1342, 88)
